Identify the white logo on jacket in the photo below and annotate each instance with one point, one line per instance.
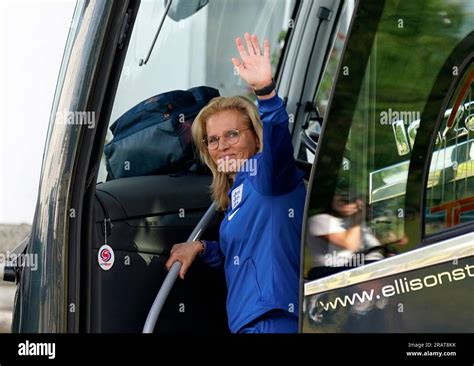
(237, 196)
(232, 215)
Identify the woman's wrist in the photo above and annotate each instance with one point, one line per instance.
(268, 96)
(264, 89)
(201, 245)
(262, 84)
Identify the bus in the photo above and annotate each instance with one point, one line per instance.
(381, 106)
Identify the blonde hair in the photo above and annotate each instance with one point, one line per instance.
(221, 182)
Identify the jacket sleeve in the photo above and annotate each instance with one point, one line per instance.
(276, 172)
(212, 254)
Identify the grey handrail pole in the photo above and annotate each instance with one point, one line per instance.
(172, 275)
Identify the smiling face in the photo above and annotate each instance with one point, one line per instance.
(229, 158)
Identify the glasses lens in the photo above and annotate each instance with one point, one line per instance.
(212, 142)
(232, 136)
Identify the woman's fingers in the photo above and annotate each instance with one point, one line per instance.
(173, 258)
(266, 49)
(236, 62)
(180, 253)
(169, 263)
(240, 48)
(184, 269)
(175, 247)
(248, 41)
(253, 48)
(255, 45)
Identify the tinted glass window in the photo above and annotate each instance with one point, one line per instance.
(450, 187)
(195, 50)
(313, 129)
(357, 210)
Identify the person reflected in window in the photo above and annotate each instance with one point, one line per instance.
(334, 237)
(260, 189)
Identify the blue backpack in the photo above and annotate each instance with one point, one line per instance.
(154, 137)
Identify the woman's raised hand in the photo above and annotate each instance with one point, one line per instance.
(254, 67)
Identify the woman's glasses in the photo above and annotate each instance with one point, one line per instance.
(231, 137)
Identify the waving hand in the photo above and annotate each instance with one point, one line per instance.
(254, 67)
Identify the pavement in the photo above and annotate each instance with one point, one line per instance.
(10, 236)
(7, 295)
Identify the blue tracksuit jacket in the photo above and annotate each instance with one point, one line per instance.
(260, 235)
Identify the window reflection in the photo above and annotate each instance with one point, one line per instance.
(450, 189)
(371, 128)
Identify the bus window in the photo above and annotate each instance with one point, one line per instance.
(324, 89)
(450, 186)
(196, 50)
(322, 94)
(357, 211)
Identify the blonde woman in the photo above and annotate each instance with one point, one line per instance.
(257, 184)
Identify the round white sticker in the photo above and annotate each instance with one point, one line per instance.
(106, 257)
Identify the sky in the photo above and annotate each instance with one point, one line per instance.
(33, 35)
